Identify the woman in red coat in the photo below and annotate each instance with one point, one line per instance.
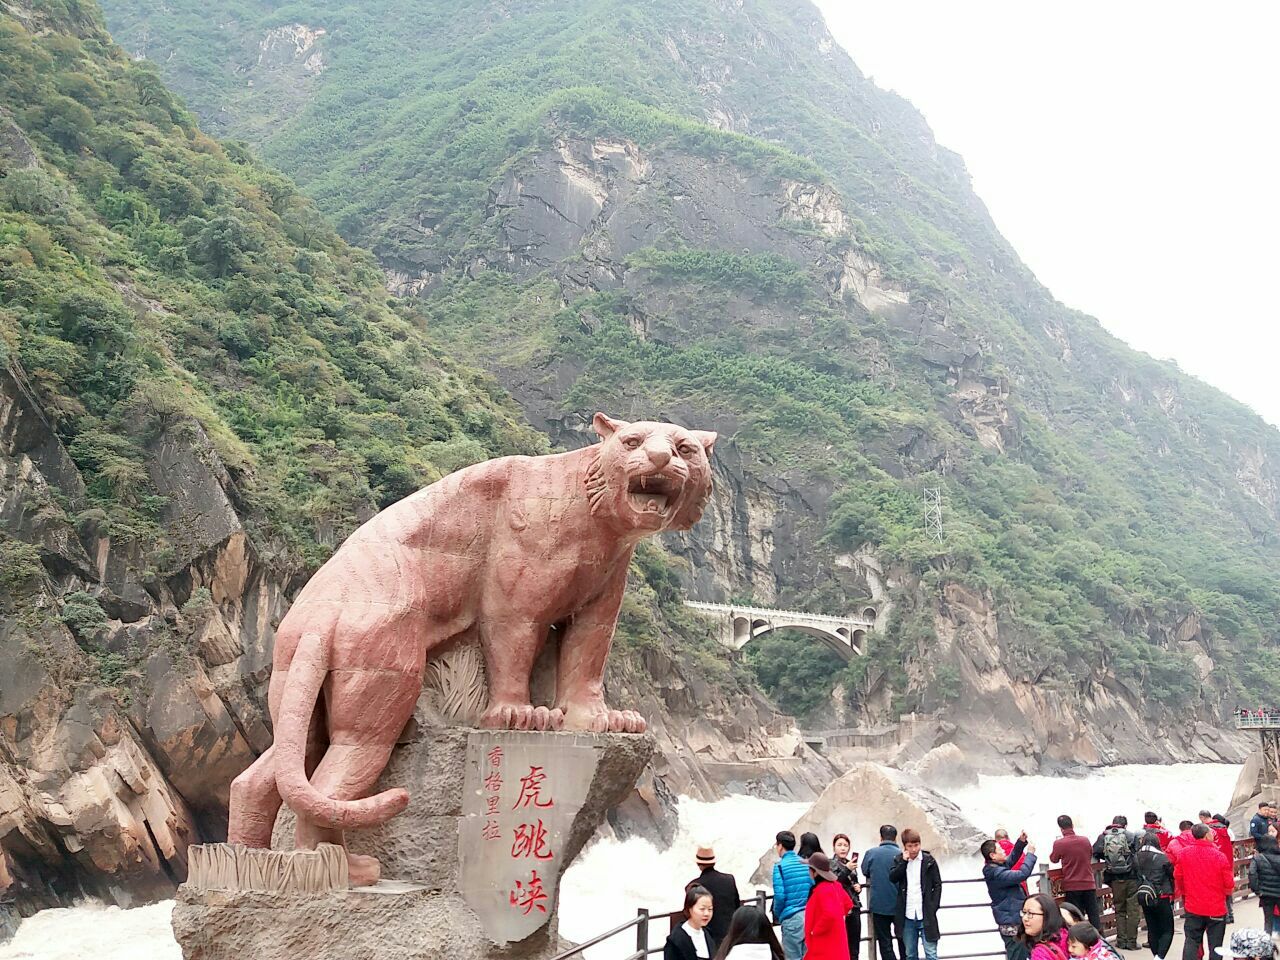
(824, 929)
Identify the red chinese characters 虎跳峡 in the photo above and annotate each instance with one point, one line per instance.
(528, 896)
(531, 841)
(531, 786)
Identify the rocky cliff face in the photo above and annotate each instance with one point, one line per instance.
(108, 777)
(1008, 720)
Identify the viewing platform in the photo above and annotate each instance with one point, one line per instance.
(1266, 723)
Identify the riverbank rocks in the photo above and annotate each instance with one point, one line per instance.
(472, 866)
(1251, 787)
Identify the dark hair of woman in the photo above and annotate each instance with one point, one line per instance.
(1268, 842)
(749, 925)
(1052, 919)
(1084, 933)
(809, 843)
(692, 896)
(844, 837)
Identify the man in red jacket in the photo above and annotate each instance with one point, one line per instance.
(1206, 879)
(1222, 840)
(1181, 840)
(1153, 823)
(1221, 835)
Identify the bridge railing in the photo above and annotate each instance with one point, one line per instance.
(1049, 881)
(1257, 721)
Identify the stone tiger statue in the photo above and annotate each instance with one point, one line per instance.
(497, 553)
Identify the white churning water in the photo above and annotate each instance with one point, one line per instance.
(95, 932)
(606, 885)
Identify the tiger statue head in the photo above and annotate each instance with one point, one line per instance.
(646, 477)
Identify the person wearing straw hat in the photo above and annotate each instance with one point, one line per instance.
(1248, 944)
(723, 887)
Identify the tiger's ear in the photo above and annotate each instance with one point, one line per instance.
(707, 438)
(606, 427)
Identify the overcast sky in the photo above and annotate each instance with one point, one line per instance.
(1128, 150)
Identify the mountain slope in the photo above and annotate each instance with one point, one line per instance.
(566, 186)
(202, 391)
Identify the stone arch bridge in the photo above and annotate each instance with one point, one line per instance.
(739, 625)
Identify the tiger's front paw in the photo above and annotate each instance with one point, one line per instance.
(521, 716)
(598, 718)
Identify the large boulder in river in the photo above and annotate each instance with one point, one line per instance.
(944, 766)
(869, 795)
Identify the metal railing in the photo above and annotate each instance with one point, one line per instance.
(1048, 881)
(1253, 720)
(761, 900)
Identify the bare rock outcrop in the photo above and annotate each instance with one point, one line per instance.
(943, 766)
(1251, 788)
(1004, 719)
(869, 795)
(86, 810)
(112, 762)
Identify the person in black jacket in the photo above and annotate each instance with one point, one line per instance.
(724, 891)
(919, 881)
(690, 940)
(1154, 892)
(845, 866)
(1264, 880)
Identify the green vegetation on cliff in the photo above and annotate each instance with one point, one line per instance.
(1099, 498)
(152, 279)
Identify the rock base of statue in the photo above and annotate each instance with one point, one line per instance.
(471, 869)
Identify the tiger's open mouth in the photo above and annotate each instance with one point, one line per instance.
(654, 494)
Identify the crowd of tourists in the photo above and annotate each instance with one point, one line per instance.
(1263, 714)
(817, 902)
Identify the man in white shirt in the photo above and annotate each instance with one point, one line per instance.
(919, 882)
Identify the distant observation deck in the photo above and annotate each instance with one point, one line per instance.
(1267, 724)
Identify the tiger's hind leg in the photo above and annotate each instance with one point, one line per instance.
(366, 711)
(255, 801)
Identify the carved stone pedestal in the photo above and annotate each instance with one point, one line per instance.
(389, 920)
(473, 865)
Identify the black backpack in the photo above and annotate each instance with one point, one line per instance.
(1147, 895)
